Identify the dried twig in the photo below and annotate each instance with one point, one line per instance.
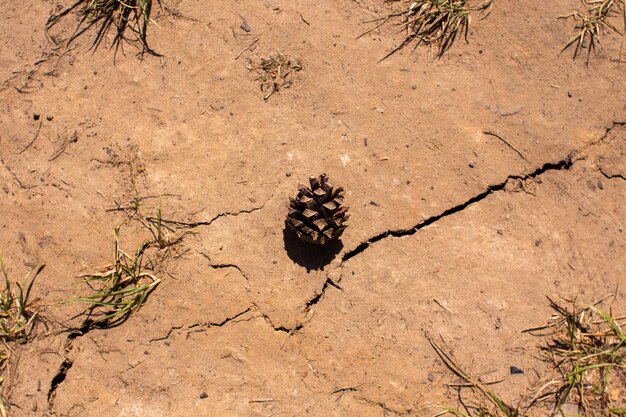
(34, 138)
(247, 48)
(490, 133)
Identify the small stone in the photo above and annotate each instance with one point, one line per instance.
(414, 87)
(431, 377)
(516, 371)
(600, 184)
(288, 173)
(49, 118)
(203, 395)
(472, 164)
(36, 117)
(500, 232)
(245, 27)
(538, 242)
(375, 204)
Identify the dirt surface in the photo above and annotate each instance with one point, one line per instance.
(453, 232)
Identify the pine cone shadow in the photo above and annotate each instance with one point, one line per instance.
(307, 255)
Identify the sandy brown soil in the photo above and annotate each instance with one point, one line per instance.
(451, 233)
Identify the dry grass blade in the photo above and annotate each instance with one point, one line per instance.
(18, 319)
(436, 23)
(589, 25)
(122, 289)
(274, 72)
(500, 407)
(588, 349)
(123, 17)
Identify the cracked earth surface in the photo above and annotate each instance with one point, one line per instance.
(452, 232)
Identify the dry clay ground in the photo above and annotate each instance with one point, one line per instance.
(452, 233)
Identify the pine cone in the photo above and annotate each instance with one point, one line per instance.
(317, 214)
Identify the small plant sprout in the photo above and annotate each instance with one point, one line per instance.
(121, 290)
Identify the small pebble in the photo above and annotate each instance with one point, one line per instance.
(245, 27)
(600, 185)
(414, 87)
(49, 118)
(516, 371)
(538, 242)
(472, 164)
(375, 204)
(36, 116)
(500, 232)
(203, 395)
(431, 377)
(288, 173)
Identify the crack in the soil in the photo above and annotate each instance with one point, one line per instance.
(319, 295)
(224, 266)
(268, 320)
(218, 216)
(67, 363)
(58, 378)
(167, 336)
(563, 164)
(208, 324)
(613, 176)
(227, 319)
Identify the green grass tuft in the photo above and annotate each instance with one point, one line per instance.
(121, 290)
(18, 319)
